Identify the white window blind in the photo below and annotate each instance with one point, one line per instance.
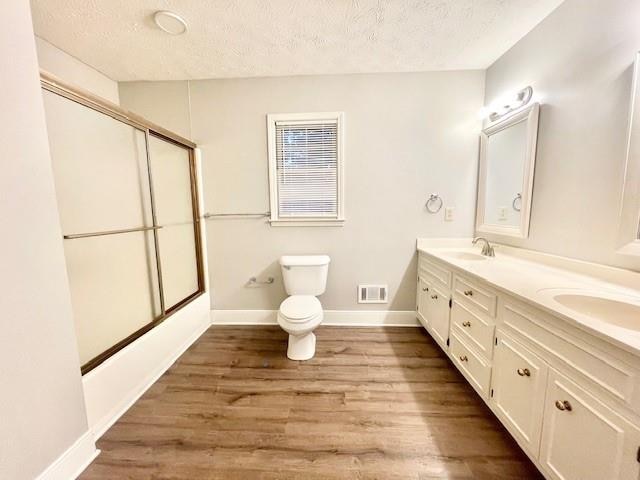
(307, 168)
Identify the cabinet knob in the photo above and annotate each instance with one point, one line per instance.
(524, 372)
(463, 358)
(425, 289)
(435, 297)
(468, 293)
(563, 405)
(466, 324)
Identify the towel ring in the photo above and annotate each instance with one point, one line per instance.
(434, 197)
(513, 204)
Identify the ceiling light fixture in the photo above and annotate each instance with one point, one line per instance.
(170, 22)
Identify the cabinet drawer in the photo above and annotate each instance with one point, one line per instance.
(436, 273)
(476, 369)
(476, 297)
(473, 328)
(571, 353)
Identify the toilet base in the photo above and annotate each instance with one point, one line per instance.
(301, 347)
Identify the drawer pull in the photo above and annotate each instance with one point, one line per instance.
(563, 405)
(435, 297)
(466, 324)
(524, 372)
(463, 358)
(468, 293)
(425, 289)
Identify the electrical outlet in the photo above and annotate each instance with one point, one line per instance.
(502, 213)
(448, 214)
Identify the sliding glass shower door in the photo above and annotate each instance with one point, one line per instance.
(129, 216)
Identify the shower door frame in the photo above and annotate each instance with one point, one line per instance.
(54, 85)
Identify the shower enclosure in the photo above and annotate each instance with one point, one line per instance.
(128, 205)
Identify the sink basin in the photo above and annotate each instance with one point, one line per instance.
(618, 310)
(464, 256)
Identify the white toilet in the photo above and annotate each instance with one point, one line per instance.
(304, 277)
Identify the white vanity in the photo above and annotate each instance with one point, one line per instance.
(552, 345)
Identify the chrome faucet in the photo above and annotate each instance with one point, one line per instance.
(487, 249)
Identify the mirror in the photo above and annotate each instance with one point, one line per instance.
(629, 233)
(505, 183)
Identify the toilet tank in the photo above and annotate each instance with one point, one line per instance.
(305, 274)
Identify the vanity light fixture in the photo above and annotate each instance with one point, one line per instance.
(507, 104)
(170, 22)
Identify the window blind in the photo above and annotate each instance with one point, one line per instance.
(307, 168)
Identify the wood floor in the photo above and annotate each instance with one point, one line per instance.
(373, 404)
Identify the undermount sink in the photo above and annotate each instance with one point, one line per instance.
(618, 310)
(464, 255)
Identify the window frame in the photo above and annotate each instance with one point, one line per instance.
(275, 218)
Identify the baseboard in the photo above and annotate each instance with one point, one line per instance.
(347, 318)
(73, 461)
(112, 387)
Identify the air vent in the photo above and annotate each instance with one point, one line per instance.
(372, 293)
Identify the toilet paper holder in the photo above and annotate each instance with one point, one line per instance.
(255, 281)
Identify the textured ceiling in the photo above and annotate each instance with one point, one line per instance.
(246, 38)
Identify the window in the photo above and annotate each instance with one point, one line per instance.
(306, 169)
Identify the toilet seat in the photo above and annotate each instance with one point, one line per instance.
(300, 308)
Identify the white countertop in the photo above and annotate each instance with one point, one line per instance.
(535, 277)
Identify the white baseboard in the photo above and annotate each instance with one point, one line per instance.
(346, 318)
(111, 388)
(73, 461)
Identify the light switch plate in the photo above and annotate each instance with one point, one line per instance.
(448, 214)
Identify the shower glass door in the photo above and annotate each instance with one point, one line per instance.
(128, 211)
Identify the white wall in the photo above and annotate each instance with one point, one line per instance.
(164, 103)
(74, 71)
(579, 61)
(407, 135)
(41, 406)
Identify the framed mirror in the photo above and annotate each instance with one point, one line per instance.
(629, 233)
(505, 181)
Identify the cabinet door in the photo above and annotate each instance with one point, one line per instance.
(518, 388)
(422, 301)
(583, 439)
(438, 316)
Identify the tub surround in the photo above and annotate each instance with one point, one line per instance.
(534, 278)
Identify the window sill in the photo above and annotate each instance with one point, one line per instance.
(307, 223)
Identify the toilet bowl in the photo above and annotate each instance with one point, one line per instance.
(299, 314)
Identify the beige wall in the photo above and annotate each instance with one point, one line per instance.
(41, 406)
(579, 60)
(72, 70)
(407, 135)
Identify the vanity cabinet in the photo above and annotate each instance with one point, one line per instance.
(584, 439)
(519, 382)
(570, 399)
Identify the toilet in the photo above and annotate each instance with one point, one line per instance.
(305, 277)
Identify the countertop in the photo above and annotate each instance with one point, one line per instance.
(535, 278)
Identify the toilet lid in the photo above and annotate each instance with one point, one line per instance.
(300, 307)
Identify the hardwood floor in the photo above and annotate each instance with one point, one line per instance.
(374, 403)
